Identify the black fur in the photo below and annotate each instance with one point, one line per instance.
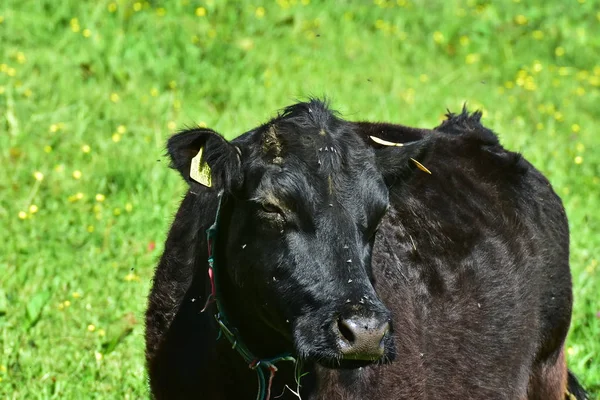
(576, 389)
(470, 263)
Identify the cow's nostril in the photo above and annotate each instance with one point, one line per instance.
(362, 338)
(346, 331)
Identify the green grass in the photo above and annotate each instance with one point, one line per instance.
(98, 86)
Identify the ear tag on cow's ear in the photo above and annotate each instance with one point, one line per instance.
(200, 171)
(385, 142)
(420, 166)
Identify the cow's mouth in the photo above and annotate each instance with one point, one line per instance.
(351, 364)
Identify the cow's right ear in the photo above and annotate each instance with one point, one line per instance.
(205, 159)
(399, 150)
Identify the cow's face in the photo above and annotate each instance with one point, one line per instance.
(302, 210)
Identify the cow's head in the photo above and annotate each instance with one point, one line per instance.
(304, 195)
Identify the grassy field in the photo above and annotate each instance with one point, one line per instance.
(90, 91)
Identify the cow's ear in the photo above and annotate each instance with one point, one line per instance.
(205, 159)
(400, 151)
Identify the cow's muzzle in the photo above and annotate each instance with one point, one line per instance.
(362, 338)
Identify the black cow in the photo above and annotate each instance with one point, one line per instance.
(390, 262)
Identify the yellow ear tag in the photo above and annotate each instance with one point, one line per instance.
(385, 142)
(421, 166)
(200, 171)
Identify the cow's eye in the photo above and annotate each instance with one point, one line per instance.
(270, 208)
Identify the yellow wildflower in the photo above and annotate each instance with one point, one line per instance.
(521, 19)
(33, 209)
(22, 214)
(100, 197)
(98, 356)
(537, 34)
(131, 277)
(137, 6)
(76, 197)
(559, 51)
(578, 160)
(38, 176)
(76, 295)
(438, 37)
(200, 12)
(86, 33)
(75, 25)
(472, 58)
(116, 137)
(77, 174)
(114, 97)
(86, 148)
(121, 129)
(91, 328)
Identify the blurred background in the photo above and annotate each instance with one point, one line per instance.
(91, 90)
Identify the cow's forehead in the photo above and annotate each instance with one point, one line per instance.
(312, 133)
(309, 155)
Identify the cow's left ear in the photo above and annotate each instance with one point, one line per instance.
(206, 159)
(399, 150)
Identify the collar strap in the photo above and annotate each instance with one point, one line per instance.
(261, 366)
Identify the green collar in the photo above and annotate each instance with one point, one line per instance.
(261, 366)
